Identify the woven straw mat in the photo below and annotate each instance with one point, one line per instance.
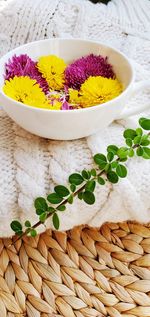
(84, 272)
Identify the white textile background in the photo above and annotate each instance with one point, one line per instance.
(31, 166)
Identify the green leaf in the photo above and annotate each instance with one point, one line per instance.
(137, 139)
(121, 171)
(51, 210)
(33, 233)
(89, 174)
(70, 199)
(16, 226)
(112, 148)
(76, 179)
(108, 167)
(139, 151)
(129, 142)
(123, 159)
(145, 142)
(145, 123)
(131, 152)
(73, 188)
(61, 208)
(90, 186)
(129, 134)
(100, 159)
(145, 137)
(27, 224)
(139, 131)
(110, 156)
(55, 220)
(62, 191)
(100, 180)
(93, 172)
(28, 230)
(85, 174)
(146, 153)
(40, 205)
(122, 152)
(89, 197)
(19, 233)
(54, 198)
(43, 217)
(114, 164)
(39, 211)
(80, 195)
(112, 177)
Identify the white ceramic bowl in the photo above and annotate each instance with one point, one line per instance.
(68, 125)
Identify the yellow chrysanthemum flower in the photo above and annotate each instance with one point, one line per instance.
(74, 97)
(56, 105)
(52, 69)
(27, 91)
(95, 90)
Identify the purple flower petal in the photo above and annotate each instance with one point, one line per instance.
(23, 65)
(66, 106)
(91, 65)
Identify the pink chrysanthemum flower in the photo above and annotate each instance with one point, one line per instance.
(84, 67)
(23, 65)
(61, 98)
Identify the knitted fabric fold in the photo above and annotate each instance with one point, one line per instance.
(31, 166)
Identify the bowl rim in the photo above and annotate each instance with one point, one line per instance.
(92, 108)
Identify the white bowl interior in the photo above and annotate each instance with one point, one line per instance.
(69, 50)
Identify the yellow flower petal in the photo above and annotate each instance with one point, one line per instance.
(56, 105)
(74, 96)
(52, 69)
(27, 91)
(95, 90)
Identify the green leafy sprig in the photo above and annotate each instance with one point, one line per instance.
(110, 167)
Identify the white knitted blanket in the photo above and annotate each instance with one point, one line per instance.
(30, 166)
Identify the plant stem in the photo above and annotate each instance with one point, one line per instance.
(64, 202)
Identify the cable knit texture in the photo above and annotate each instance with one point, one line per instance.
(31, 166)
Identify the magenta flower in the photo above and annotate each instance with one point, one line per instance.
(23, 65)
(64, 100)
(84, 67)
(66, 106)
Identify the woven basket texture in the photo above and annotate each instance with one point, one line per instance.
(84, 272)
